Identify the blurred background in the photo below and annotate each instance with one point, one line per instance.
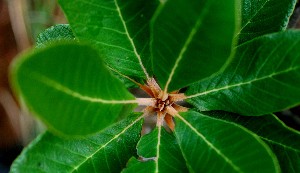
(20, 23)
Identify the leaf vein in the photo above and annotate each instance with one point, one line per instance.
(107, 143)
(249, 20)
(96, 5)
(186, 44)
(59, 87)
(235, 167)
(243, 83)
(130, 39)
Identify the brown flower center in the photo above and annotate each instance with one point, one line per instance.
(164, 104)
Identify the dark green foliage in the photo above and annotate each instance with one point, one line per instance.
(232, 56)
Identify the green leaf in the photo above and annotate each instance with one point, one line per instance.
(63, 32)
(68, 87)
(189, 43)
(263, 17)
(119, 29)
(159, 152)
(210, 144)
(263, 77)
(107, 151)
(55, 33)
(284, 141)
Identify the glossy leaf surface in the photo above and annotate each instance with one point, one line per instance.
(55, 33)
(264, 77)
(68, 87)
(159, 152)
(284, 141)
(119, 29)
(188, 42)
(107, 151)
(261, 17)
(210, 144)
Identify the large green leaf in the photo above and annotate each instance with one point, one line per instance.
(189, 42)
(107, 151)
(119, 29)
(68, 87)
(284, 141)
(55, 33)
(264, 77)
(261, 17)
(63, 32)
(159, 152)
(214, 145)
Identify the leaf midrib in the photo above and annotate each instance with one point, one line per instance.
(243, 83)
(249, 20)
(103, 146)
(157, 149)
(235, 167)
(280, 144)
(189, 39)
(59, 87)
(131, 40)
(268, 139)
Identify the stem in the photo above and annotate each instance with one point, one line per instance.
(160, 119)
(18, 19)
(170, 110)
(146, 101)
(12, 110)
(177, 97)
(154, 87)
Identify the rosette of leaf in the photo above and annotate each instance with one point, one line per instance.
(224, 56)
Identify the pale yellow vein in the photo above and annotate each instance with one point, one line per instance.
(59, 87)
(242, 83)
(158, 149)
(103, 146)
(210, 144)
(131, 40)
(249, 20)
(185, 46)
